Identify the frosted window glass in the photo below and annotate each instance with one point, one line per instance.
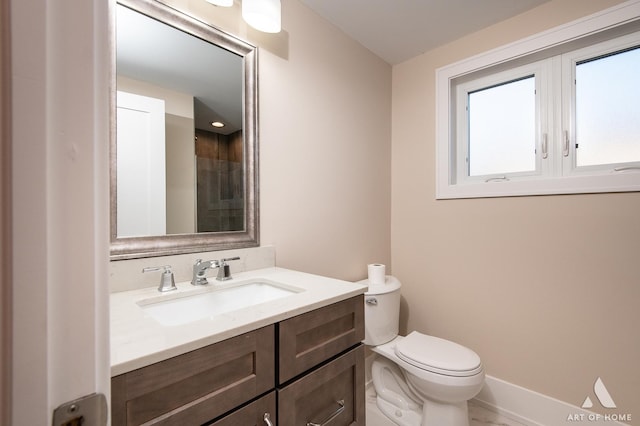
(502, 128)
(608, 109)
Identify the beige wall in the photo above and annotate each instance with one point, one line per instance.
(325, 147)
(545, 289)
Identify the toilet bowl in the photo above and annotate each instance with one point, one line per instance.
(418, 379)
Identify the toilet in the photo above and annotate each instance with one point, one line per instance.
(418, 379)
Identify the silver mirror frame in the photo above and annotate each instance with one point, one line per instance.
(139, 247)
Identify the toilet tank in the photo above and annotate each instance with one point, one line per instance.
(381, 311)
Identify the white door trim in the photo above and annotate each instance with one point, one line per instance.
(5, 216)
(60, 142)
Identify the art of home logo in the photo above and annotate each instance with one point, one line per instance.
(606, 401)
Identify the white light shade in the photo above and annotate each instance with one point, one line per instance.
(263, 15)
(225, 3)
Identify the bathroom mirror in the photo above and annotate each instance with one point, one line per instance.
(183, 135)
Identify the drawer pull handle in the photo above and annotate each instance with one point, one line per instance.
(372, 301)
(332, 416)
(267, 419)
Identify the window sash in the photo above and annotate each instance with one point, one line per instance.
(540, 72)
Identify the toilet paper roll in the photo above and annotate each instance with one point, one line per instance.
(376, 273)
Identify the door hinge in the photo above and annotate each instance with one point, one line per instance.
(85, 411)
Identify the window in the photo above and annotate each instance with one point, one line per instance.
(605, 94)
(501, 120)
(557, 113)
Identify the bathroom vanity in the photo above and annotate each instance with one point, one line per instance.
(297, 360)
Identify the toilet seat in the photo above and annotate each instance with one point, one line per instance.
(438, 356)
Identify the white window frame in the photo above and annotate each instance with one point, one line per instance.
(556, 176)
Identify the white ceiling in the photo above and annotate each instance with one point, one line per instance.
(397, 30)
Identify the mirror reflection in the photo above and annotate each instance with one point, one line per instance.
(179, 131)
(183, 144)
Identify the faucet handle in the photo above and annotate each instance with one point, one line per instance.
(167, 282)
(224, 273)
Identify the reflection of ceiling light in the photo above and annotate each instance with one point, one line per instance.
(217, 124)
(225, 3)
(263, 15)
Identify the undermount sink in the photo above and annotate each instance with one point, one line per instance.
(211, 301)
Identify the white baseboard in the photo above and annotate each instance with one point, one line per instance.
(535, 409)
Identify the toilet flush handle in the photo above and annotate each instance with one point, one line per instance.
(371, 301)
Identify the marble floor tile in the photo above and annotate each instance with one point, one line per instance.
(480, 416)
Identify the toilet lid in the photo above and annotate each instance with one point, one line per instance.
(438, 355)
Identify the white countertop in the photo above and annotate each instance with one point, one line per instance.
(138, 340)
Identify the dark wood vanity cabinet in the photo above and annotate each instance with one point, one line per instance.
(193, 388)
(332, 394)
(309, 339)
(308, 369)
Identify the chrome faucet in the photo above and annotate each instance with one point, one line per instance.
(200, 269)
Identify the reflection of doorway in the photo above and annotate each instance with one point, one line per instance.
(141, 189)
(220, 193)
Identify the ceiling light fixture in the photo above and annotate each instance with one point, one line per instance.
(217, 124)
(263, 15)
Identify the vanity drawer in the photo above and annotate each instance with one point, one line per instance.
(198, 386)
(332, 394)
(252, 414)
(309, 339)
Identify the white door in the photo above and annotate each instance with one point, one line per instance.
(60, 213)
(141, 185)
